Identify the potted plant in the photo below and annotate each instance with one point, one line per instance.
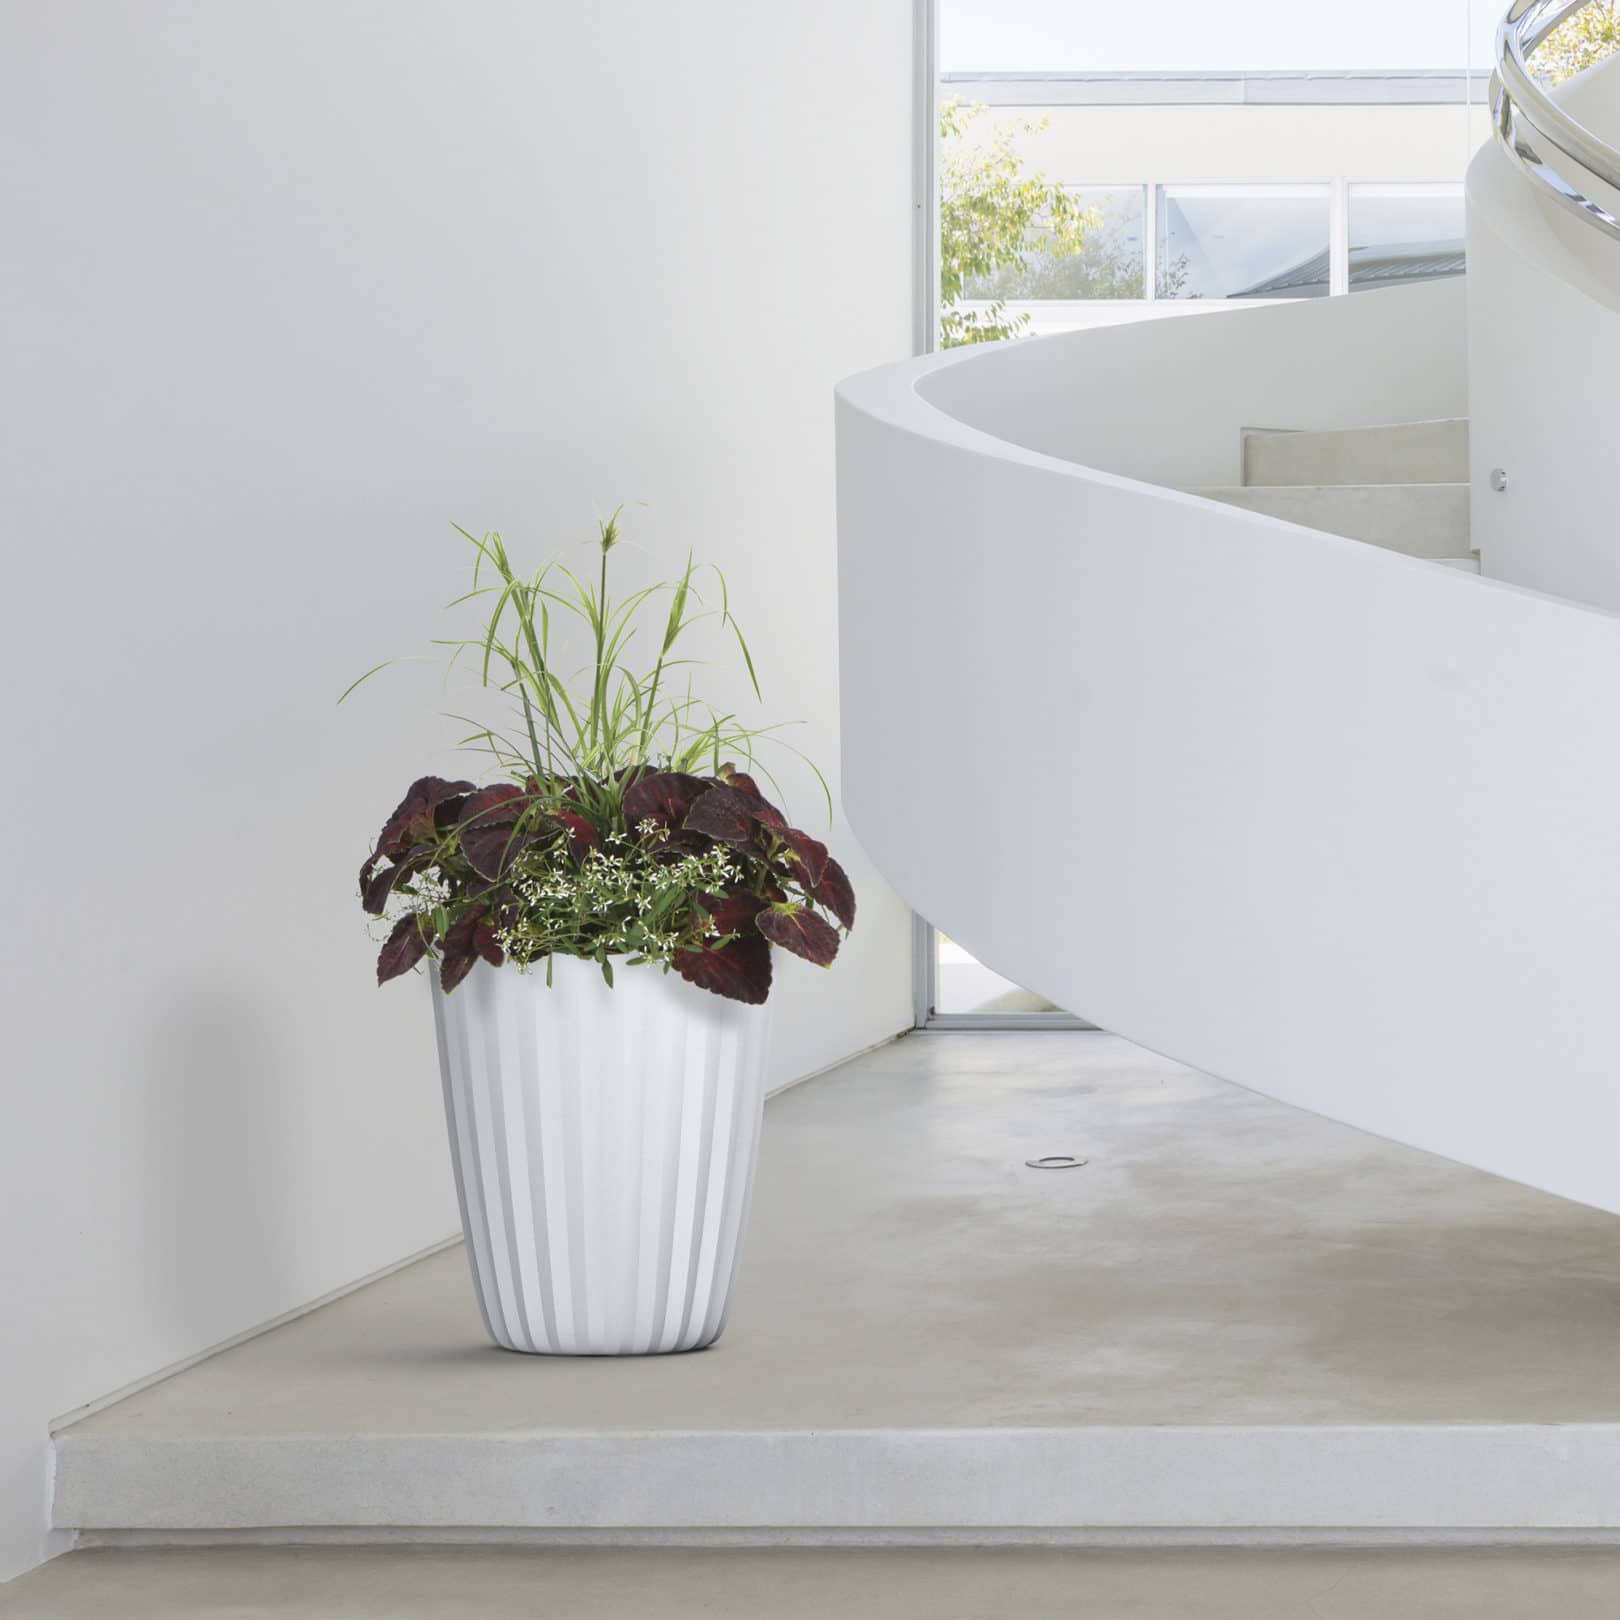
(597, 924)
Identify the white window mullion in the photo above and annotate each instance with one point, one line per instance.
(1150, 241)
(1339, 238)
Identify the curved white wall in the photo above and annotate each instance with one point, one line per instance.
(1166, 401)
(1329, 821)
(1544, 355)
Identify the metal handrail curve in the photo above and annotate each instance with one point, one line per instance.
(1538, 133)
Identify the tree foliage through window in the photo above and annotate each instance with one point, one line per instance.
(1008, 235)
(993, 218)
(1587, 37)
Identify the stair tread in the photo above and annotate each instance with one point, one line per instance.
(1429, 520)
(507, 1583)
(1389, 452)
(1361, 428)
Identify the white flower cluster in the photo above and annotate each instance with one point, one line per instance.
(630, 898)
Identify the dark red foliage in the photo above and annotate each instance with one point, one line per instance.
(581, 834)
(497, 825)
(376, 889)
(732, 913)
(405, 834)
(740, 970)
(764, 812)
(804, 932)
(732, 777)
(810, 853)
(491, 850)
(836, 893)
(767, 815)
(473, 835)
(662, 798)
(737, 964)
(725, 814)
(471, 936)
(496, 806)
(413, 819)
(401, 951)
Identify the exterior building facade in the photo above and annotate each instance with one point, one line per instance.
(1224, 189)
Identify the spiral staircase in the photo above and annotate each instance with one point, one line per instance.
(1178, 724)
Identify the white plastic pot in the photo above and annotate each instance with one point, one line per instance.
(604, 1143)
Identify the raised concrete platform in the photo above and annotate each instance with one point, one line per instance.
(504, 1583)
(1236, 1318)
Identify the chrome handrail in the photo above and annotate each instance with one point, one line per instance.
(1538, 133)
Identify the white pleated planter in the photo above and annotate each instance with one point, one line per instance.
(604, 1143)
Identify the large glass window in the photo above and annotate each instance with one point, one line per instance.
(959, 992)
(965, 986)
(1246, 241)
(1401, 233)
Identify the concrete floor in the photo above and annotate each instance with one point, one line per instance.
(966, 1584)
(1221, 1261)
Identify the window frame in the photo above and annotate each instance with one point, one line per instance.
(1323, 191)
(1434, 190)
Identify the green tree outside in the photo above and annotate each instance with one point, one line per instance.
(994, 218)
(1005, 234)
(1587, 37)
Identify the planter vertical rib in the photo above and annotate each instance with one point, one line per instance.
(604, 1143)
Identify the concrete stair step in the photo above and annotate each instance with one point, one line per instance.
(960, 1583)
(1421, 520)
(1236, 1316)
(1391, 453)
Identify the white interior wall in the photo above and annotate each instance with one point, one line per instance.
(283, 291)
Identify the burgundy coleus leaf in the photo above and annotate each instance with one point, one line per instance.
(490, 836)
(663, 798)
(401, 951)
(732, 777)
(765, 813)
(810, 856)
(836, 893)
(724, 814)
(495, 806)
(471, 936)
(447, 812)
(732, 913)
(381, 881)
(487, 944)
(454, 966)
(581, 834)
(739, 970)
(490, 851)
(802, 931)
(413, 817)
